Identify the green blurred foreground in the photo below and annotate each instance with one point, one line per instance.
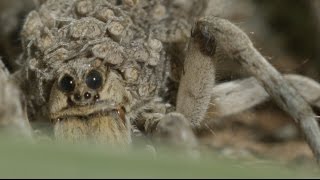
(26, 160)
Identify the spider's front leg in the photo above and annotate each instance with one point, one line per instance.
(167, 129)
(198, 77)
(194, 96)
(172, 130)
(212, 33)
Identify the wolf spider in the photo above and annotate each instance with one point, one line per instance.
(99, 70)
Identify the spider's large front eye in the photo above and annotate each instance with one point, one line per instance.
(94, 79)
(67, 84)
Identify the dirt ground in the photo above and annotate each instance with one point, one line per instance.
(260, 133)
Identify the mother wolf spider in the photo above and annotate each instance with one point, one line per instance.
(99, 69)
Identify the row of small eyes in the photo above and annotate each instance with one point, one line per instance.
(94, 80)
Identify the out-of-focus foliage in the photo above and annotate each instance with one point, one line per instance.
(25, 160)
(296, 25)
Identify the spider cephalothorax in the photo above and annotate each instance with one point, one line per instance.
(88, 101)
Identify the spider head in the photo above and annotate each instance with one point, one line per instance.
(88, 102)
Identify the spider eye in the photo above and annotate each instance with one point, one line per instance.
(94, 79)
(67, 84)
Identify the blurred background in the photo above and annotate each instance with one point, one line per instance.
(286, 32)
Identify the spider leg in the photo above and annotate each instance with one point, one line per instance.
(165, 128)
(233, 42)
(198, 78)
(174, 131)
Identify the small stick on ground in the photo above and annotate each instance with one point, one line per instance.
(237, 45)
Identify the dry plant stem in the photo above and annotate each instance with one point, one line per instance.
(237, 45)
(237, 96)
